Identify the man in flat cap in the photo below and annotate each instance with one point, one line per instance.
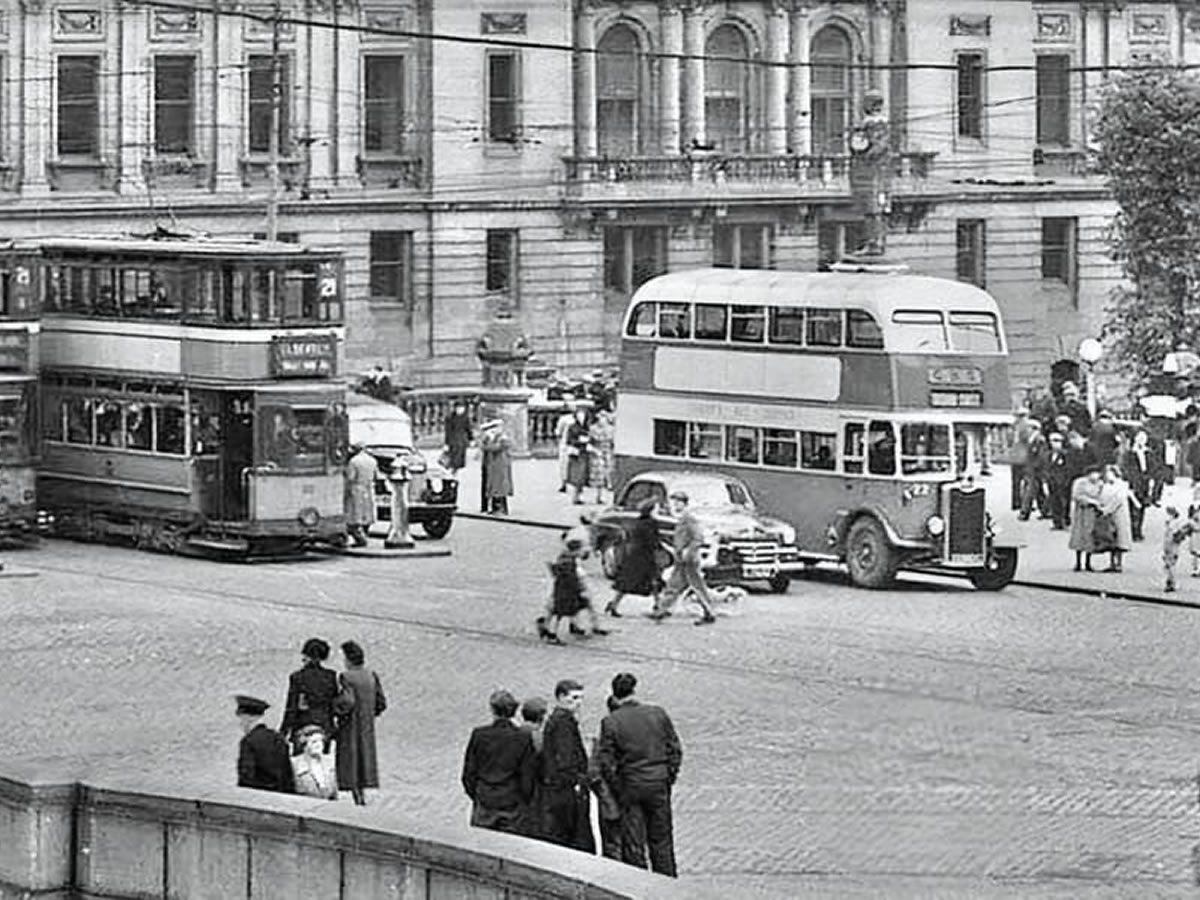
(685, 574)
(263, 759)
(361, 473)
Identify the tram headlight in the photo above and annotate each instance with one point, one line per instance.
(935, 525)
(309, 517)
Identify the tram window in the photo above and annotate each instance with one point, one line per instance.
(13, 443)
(261, 305)
(109, 428)
(974, 332)
(77, 289)
(818, 450)
(919, 331)
(105, 298)
(741, 444)
(54, 422)
(711, 322)
(779, 448)
(299, 294)
(205, 301)
(235, 295)
(310, 433)
(670, 438)
(674, 320)
(168, 429)
(747, 324)
(704, 440)
(853, 448)
(79, 420)
(787, 326)
(924, 448)
(881, 449)
(862, 331)
(293, 437)
(135, 291)
(824, 327)
(139, 424)
(206, 432)
(644, 321)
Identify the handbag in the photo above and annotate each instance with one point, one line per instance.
(1104, 531)
(380, 700)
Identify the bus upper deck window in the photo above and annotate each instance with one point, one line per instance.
(747, 324)
(974, 332)
(862, 331)
(674, 321)
(644, 321)
(711, 322)
(787, 325)
(824, 327)
(918, 331)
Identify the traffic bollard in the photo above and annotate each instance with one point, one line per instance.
(398, 536)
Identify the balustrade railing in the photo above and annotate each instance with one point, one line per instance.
(719, 168)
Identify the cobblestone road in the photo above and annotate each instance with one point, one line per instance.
(930, 741)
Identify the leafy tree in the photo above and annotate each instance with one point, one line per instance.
(1147, 143)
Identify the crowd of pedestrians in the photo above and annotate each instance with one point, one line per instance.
(537, 779)
(324, 710)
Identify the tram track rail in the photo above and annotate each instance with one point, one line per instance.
(775, 675)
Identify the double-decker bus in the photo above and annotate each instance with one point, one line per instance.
(189, 398)
(19, 518)
(844, 400)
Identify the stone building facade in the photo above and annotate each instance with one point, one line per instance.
(547, 157)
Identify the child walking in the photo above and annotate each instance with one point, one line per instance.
(570, 594)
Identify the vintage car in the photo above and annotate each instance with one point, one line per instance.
(386, 431)
(741, 544)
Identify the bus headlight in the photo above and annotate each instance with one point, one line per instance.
(435, 486)
(935, 525)
(309, 517)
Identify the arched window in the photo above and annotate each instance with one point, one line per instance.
(727, 90)
(831, 90)
(620, 92)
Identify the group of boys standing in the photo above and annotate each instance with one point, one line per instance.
(536, 779)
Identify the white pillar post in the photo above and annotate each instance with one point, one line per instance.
(136, 76)
(346, 87)
(228, 93)
(585, 80)
(694, 126)
(777, 78)
(321, 98)
(671, 23)
(37, 108)
(799, 127)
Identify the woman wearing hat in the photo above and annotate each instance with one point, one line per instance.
(579, 446)
(361, 473)
(314, 770)
(495, 448)
(637, 570)
(311, 692)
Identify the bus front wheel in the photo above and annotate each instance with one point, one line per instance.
(869, 556)
(999, 571)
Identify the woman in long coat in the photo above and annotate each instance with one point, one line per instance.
(311, 692)
(637, 571)
(361, 472)
(457, 437)
(1115, 499)
(602, 433)
(359, 701)
(579, 445)
(495, 448)
(1085, 500)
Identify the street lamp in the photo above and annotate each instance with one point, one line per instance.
(1090, 351)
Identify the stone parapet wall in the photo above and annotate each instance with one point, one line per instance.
(61, 839)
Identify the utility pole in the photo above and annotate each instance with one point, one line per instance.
(276, 117)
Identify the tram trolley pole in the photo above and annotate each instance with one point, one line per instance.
(273, 148)
(398, 535)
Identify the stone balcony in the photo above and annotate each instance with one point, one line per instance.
(729, 176)
(1061, 162)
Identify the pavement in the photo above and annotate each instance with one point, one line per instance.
(1045, 560)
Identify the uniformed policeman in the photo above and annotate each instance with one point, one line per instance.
(263, 759)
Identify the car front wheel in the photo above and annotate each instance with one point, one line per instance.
(438, 527)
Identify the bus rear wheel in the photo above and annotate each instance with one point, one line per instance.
(999, 571)
(869, 557)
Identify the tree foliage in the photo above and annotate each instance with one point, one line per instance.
(1147, 143)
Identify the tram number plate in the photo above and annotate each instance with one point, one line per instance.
(758, 571)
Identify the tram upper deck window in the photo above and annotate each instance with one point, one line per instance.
(918, 331)
(974, 332)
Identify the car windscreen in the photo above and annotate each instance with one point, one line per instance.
(381, 431)
(715, 493)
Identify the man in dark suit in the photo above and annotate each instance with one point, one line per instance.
(498, 768)
(640, 757)
(565, 781)
(1060, 473)
(1138, 467)
(263, 759)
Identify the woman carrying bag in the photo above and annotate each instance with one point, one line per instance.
(359, 700)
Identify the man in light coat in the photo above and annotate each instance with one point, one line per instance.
(361, 472)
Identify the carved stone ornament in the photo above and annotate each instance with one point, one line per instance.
(1054, 27)
(174, 23)
(320, 7)
(502, 23)
(78, 23)
(1150, 56)
(260, 25)
(1193, 25)
(384, 19)
(1148, 27)
(970, 26)
(33, 7)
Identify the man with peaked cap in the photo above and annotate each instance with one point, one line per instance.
(361, 474)
(263, 759)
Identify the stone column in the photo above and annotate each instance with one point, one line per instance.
(37, 108)
(882, 51)
(346, 91)
(671, 21)
(777, 79)
(228, 91)
(321, 98)
(585, 80)
(799, 126)
(134, 91)
(694, 126)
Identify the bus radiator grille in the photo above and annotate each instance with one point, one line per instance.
(966, 523)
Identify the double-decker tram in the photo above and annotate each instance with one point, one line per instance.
(844, 400)
(188, 393)
(20, 522)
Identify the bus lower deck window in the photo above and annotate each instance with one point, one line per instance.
(742, 444)
(670, 438)
(704, 441)
(779, 448)
(818, 450)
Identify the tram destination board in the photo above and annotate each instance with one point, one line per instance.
(310, 356)
(14, 350)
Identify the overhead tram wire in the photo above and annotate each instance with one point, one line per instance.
(508, 43)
